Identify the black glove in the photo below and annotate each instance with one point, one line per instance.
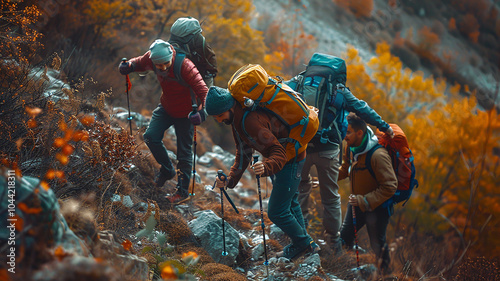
(126, 67)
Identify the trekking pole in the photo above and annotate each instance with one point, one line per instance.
(222, 177)
(195, 109)
(266, 263)
(128, 85)
(355, 233)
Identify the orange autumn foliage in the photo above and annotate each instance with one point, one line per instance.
(453, 143)
(127, 245)
(360, 8)
(29, 210)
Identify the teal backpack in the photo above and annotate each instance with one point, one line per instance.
(321, 85)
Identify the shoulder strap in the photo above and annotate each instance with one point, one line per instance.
(368, 160)
(179, 59)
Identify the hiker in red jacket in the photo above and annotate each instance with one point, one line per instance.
(174, 109)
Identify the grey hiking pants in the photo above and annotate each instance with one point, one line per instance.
(160, 122)
(327, 165)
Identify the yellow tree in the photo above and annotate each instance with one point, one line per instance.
(393, 91)
(459, 171)
(454, 143)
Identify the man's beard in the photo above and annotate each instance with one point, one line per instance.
(230, 120)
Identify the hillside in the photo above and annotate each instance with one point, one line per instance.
(333, 27)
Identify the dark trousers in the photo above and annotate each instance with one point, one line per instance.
(160, 122)
(376, 224)
(284, 208)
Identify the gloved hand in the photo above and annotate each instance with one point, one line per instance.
(220, 183)
(389, 132)
(126, 67)
(197, 117)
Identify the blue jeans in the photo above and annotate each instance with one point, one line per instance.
(160, 122)
(284, 208)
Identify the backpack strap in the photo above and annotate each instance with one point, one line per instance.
(179, 59)
(368, 159)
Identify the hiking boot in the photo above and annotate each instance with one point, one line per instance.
(178, 197)
(335, 244)
(163, 176)
(291, 252)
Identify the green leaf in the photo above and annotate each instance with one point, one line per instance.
(151, 223)
(159, 259)
(143, 233)
(162, 238)
(146, 249)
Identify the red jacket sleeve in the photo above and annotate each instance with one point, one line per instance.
(193, 78)
(143, 63)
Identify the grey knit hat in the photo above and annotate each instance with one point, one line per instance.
(161, 52)
(219, 100)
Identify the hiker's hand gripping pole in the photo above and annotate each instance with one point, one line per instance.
(352, 197)
(222, 185)
(128, 85)
(222, 177)
(258, 173)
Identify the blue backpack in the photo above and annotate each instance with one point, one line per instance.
(321, 85)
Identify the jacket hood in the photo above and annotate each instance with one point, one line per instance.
(372, 141)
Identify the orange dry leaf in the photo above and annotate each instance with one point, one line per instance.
(31, 123)
(33, 111)
(59, 174)
(58, 142)
(87, 120)
(68, 149)
(59, 253)
(168, 273)
(79, 135)
(452, 24)
(63, 159)
(127, 245)
(190, 253)
(19, 223)
(19, 143)
(85, 136)
(27, 210)
(51, 174)
(68, 135)
(45, 185)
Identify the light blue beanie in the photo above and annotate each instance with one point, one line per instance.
(161, 52)
(219, 100)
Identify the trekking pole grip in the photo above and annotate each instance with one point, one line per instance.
(255, 160)
(221, 175)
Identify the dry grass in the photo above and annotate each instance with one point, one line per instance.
(175, 226)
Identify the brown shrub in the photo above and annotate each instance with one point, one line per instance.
(229, 276)
(478, 269)
(175, 226)
(212, 269)
(360, 8)
(469, 27)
